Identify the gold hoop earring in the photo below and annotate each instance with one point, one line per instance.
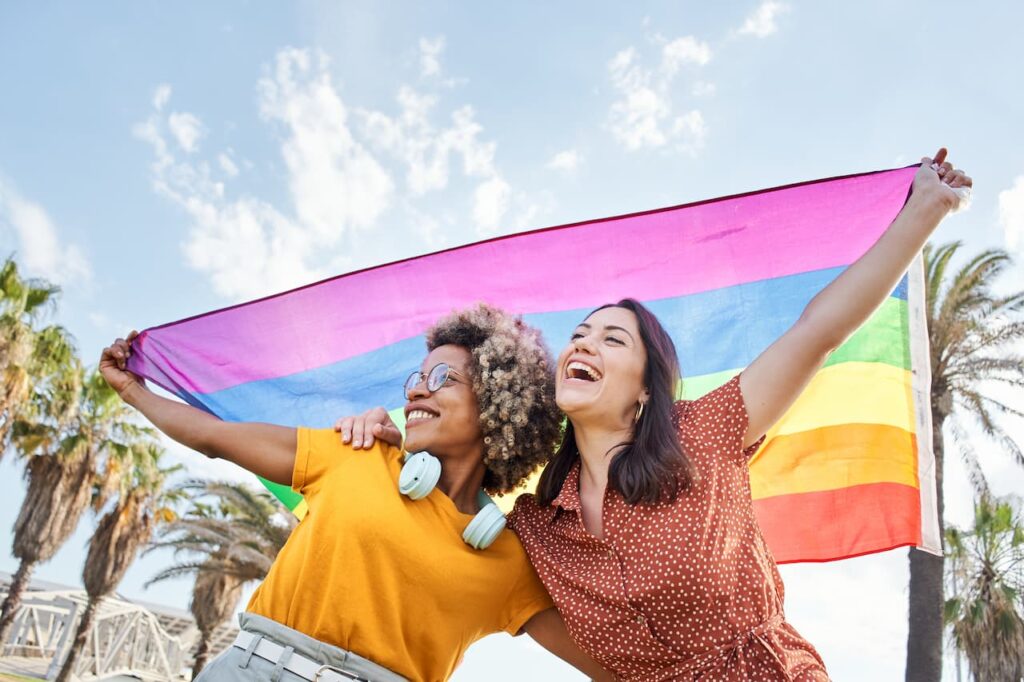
(639, 412)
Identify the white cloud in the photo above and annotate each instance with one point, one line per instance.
(761, 22)
(40, 251)
(229, 167)
(186, 129)
(246, 246)
(427, 152)
(685, 50)
(689, 126)
(703, 89)
(339, 164)
(490, 204)
(335, 183)
(1011, 214)
(645, 114)
(412, 140)
(161, 95)
(568, 161)
(430, 56)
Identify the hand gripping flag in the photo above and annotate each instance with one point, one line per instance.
(847, 471)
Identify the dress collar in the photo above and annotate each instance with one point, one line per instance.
(569, 496)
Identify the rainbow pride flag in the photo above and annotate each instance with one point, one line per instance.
(847, 471)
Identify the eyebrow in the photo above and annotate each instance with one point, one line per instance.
(607, 327)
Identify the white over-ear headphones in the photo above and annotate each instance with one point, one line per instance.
(420, 474)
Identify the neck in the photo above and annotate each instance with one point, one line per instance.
(597, 445)
(461, 479)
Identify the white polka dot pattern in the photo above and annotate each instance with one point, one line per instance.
(679, 590)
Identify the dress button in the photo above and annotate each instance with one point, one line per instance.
(641, 620)
(611, 554)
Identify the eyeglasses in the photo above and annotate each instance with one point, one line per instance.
(437, 377)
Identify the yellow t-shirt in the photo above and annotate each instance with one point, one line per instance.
(389, 578)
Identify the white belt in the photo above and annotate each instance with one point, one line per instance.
(305, 668)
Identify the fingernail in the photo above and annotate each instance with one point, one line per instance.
(357, 443)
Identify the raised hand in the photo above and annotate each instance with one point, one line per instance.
(113, 363)
(939, 178)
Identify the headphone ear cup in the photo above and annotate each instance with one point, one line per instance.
(485, 527)
(420, 474)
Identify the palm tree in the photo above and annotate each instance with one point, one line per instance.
(76, 425)
(26, 351)
(228, 542)
(986, 573)
(142, 504)
(972, 331)
(59, 481)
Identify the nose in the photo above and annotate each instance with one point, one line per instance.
(419, 390)
(583, 344)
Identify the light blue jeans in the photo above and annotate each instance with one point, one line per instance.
(242, 665)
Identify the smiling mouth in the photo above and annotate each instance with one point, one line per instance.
(581, 372)
(418, 415)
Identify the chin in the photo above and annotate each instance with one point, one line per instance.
(417, 442)
(572, 404)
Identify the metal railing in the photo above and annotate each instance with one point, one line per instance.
(124, 638)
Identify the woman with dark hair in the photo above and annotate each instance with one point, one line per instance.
(401, 562)
(642, 528)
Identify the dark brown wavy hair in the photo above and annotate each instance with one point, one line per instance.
(652, 467)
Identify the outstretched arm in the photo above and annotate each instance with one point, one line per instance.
(772, 383)
(264, 449)
(548, 629)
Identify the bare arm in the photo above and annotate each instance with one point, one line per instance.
(548, 629)
(264, 449)
(772, 383)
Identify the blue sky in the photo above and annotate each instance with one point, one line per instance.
(162, 159)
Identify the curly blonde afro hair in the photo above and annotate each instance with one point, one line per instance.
(515, 388)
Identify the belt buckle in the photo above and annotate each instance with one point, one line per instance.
(341, 671)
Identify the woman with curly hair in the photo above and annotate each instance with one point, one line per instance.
(401, 562)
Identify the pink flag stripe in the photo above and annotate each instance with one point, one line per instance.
(651, 255)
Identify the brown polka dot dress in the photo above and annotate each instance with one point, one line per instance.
(683, 590)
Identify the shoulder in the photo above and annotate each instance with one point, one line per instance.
(718, 420)
(527, 516)
(326, 443)
(721, 404)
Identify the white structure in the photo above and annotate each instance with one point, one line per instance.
(127, 639)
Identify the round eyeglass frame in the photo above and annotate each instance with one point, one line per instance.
(437, 377)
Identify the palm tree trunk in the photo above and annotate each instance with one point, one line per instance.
(924, 634)
(13, 600)
(202, 653)
(81, 634)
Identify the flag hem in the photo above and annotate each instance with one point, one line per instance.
(920, 363)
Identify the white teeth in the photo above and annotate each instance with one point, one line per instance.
(421, 414)
(591, 372)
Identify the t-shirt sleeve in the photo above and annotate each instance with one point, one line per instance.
(317, 451)
(720, 418)
(527, 599)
